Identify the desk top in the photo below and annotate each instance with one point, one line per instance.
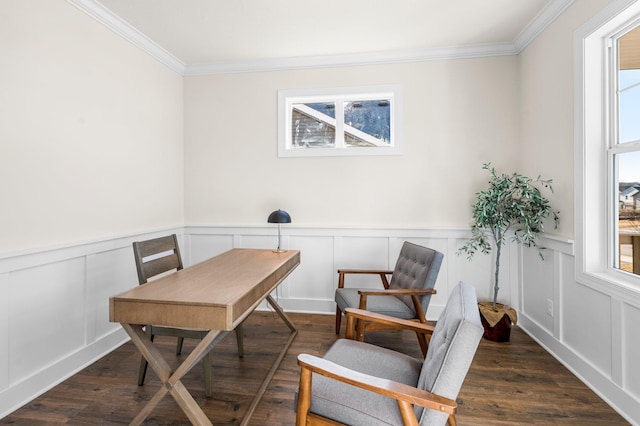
(215, 294)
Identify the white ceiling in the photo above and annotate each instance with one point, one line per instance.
(219, 33)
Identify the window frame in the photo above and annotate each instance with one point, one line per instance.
(616, 147)
(595, 128)
(288, 97)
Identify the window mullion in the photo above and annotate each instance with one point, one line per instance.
(611, 126)
(340, 142)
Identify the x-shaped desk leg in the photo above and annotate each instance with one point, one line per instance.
(294, 331)
(171, 380)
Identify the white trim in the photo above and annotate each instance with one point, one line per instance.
(317, 231)
(546, 17)
(549, 14)
(116, 24)
(15, 261)
(356, 59)
(621, 401)
(35, 385)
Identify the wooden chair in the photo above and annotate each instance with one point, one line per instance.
(406, 297)
(357, 383)
(159, 256)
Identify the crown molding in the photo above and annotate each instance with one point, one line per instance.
(119, 26)
(357, 59)
(546, 16)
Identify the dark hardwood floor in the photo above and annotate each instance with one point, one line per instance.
(513, 383)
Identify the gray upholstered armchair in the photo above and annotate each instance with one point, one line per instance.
(407, 296)
(357, 383)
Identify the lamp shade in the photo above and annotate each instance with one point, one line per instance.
(279, 216)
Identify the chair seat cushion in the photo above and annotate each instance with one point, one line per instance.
(353, 406)
(388, 305)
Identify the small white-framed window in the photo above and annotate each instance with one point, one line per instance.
(363, 120)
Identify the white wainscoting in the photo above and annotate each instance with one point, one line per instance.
(54, 302)
(592, 331)
(310, 288)
(54, 312)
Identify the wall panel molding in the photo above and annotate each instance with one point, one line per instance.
(591, 339)
(102, 268)
(108, 269)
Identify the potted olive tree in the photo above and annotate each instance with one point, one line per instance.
(513, 206)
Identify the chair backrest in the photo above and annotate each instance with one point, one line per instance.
(416, 267)
(452, 347)
(156, 256)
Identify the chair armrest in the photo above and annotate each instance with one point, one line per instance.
(381, 272)
(365, 271)
(410, 325)
(398, 292)
(414, 293)
(385, 387)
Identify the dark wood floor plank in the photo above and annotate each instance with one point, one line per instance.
(515, 383)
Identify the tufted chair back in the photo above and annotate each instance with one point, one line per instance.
(451, 350)
(416, 267)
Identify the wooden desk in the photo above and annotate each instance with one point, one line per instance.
(217, 295)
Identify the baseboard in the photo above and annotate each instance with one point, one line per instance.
(35, 385)
(600, 384)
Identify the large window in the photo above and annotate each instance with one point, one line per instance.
(607, 136)
(339, 121)
(624, 151)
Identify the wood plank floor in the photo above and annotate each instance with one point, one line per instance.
(513, 383)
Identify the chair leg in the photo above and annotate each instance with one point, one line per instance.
(338, 319)
(142, 370)
(179, 345)
(240, 339)
(208, 375)
(304, 397)
(424, 343)
(451, 421)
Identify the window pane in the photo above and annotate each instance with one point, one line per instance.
(627, 164)
(629, 106)
(629, 78)
(367, 123)
(629, 87)
(327, 108)
(628, 226)
(313, 125)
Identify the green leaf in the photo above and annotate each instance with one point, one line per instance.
(510, 203)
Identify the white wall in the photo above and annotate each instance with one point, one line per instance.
(546, 84)
(91, 141)
(593, 331)
(458, 114)
(91, 148)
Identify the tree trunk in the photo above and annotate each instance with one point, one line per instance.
(495, 280)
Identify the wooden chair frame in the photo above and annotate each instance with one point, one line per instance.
(362, 326)
(406, 396)
(151, 268)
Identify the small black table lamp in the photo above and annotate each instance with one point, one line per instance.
(279, 216)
